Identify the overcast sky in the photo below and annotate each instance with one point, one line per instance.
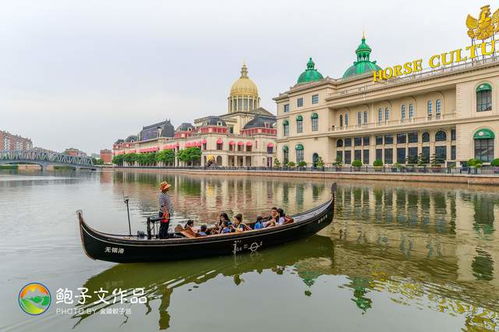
(84, 73)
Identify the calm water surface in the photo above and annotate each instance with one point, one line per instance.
(412, 257)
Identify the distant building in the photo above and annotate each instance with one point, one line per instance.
(74, 152)
(245, 136)
(106, 155)
(10, 142)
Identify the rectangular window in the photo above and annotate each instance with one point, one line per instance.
(379, 140)
(348, 157)
(348, 142)
(365, 157)
(299, 155)
(358, 154)
(357, 141)
(411, 111)
(299, 126)
(412, 155)
(412, 137)
(365, 140)
(315, 124)
(388, 156)
(453, 134)
(401, 138)
(339, 155)
(484, 101)
(441, 153)
(438, 108)
(429, 109)
(286, 130)
(426, 154)
(401, 155)
(365, 116)
(286, 108)
(299, 102)
(388, 139)
(453, 152)
(315, 99)
(402, 112)
(484, 149)
(380, 115)
(359, 118)
(387, 114)
(379, 154)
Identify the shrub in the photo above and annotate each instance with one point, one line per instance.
(357, 163)
(338, 162)
(277, 163)
(475, 163)
(291, 164)
(320, 162)
(378, 162)
(302, 164)
(495, 162)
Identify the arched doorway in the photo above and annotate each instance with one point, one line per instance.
(315, 159)
(219, 161)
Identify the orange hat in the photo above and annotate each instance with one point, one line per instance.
(164, 185)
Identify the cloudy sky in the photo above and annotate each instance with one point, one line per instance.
(84, 73)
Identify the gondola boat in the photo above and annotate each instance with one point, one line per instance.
(134, 248)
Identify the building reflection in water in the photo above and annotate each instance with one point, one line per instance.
(417, 242)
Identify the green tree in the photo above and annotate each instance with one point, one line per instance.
(189, 155)
(357, 163)
(118, 159)
(130, 158)
(378, 163)
(495, 162)
(149, 158)
(475, 163)
(166, 156)
(302, 164)
(422, 159)
(338, 162)
(277, 163)
(435, 160)
(291, 164)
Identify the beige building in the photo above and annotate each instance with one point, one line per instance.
(243, 137)
(447, 115)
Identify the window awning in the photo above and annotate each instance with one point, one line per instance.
(270, 145)
(285, 148)
(484, 87)
(299, 147)
(484, 134)
(204, 141)
(285, 122)
(240, 143)
(232, 143)
(220, 141)
(314, 116)
(249, 143)
(299, 118)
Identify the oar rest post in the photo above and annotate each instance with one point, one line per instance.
(151, 221)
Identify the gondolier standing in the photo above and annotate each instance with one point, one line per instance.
(165, 209)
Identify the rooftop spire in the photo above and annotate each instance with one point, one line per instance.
(244, 71)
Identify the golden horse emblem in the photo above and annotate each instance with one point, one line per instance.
(485, 26)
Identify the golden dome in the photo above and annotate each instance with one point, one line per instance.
(244, 86)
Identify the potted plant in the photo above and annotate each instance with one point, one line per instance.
(320, 163)
(495, 163)
(436, 163)
(422, 162)
(378, 165)
(337, 164)
(291, 164)
(357, 164)
(277, 163)
(474, 164)
(302, 164)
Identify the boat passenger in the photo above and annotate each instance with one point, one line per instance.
(222, 219)
(259, 223)
(282, 217)
(239, 226)
(165, 209)
(274, 218)
(202, 231)
(227, 228)
(189, 224)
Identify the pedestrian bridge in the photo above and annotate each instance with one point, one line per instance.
(45, 159)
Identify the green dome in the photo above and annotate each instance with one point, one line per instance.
(310, 74)
(363, 64)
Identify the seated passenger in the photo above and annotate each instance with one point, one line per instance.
(258, 223)
(282, 217)
(202, 231)
(222, 219)
(238, 225)
(189, 224)
(274, 218)
(227, 228)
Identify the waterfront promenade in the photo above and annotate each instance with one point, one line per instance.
(484, 176)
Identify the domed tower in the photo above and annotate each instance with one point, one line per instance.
(363, 64)
(243, 94)
(310, 74)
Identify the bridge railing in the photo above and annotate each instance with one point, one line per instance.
(48, 157)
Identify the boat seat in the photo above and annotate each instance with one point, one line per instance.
(188, 233)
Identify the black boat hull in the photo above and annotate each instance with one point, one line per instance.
(126, 249)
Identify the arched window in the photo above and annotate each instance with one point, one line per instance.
(425, 137)
(315, 121)
(341, 120)
(440, 136)
(484, 144)
(438, 108)
(339, 143)
(299, 124)
(484, 97)
(299, 153)
(402, 112)
(429, 109)
(346, 119)
(380, 115)
(387, 114)
(285, 153)
(285, 127)
(411, 111)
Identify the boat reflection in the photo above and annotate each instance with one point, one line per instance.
(160, 280)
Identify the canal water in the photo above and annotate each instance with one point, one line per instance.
(398, 256)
